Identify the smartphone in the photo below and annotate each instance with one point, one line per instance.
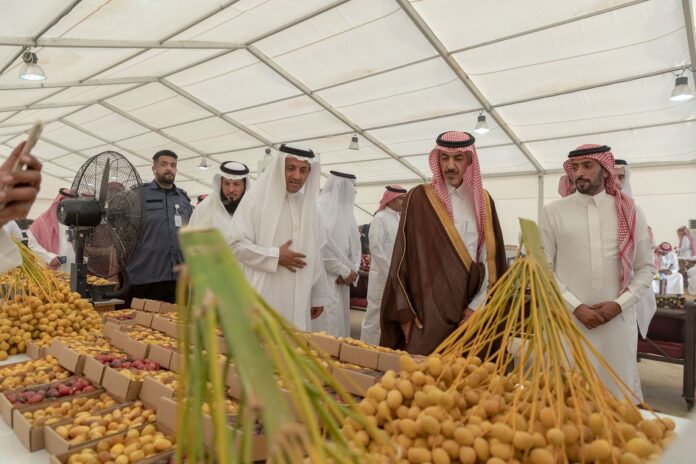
(33, 137)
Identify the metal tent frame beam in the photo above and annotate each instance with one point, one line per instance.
(688, 9)
(328, 107)
(62, 42)
(457, 69)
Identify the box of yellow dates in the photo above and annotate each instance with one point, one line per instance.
(137, 303)
(152, 306)
(356, 380)
(126, 383)
(72, 354)
(166, 417)
(26, 367)
(143, 318)
(325, 343)
(63, 436)
(148, 444)
(35, 349)
(30, 423)
(153, 390)
(159, 323)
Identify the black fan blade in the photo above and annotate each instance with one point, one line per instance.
(104, 188)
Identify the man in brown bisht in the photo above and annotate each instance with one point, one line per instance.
(449, 251)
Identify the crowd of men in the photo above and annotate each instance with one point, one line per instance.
(436, 249)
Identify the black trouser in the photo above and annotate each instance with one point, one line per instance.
(160, 291)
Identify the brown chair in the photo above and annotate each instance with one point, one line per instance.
(672, 338)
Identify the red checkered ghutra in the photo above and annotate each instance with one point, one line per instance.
(472, 180)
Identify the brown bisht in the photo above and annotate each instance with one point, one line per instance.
(432, 276)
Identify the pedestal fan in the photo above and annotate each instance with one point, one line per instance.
(103, 212)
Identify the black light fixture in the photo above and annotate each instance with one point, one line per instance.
(354, 143)
(30, 70)
(481, 124)
(681, 91)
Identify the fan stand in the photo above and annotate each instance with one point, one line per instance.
(78, 269)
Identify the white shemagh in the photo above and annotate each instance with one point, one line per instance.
(337, 221)
(253, 229)
(211, 212)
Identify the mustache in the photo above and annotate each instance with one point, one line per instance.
(451, 171)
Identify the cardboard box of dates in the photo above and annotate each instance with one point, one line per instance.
(23, 398)
(30, 423)
(63, 436)
(113, 449)
(166, 417)
(125, 379)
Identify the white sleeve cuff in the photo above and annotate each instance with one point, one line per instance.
(9, 253)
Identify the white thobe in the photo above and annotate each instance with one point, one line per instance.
(684, 250)
(691, 276)
(291, 294)
(9, 253)
(65, 246)
(579, 235)
(383, 230)
(336, 317)
(208, 215)
(675, 281)
(12, 229)
(465, 223)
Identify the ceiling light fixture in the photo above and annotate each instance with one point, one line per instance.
(481, 124)
(681, 91)
(354, 143)
(203, 165)
(30, 70)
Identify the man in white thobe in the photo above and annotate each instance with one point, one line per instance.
(18, 192)
(230, 185)
(340, 251)
(646, 306)
(13, 230)
(597, 243)
(382, 237)
(687, 247)
(668, 270)
(275, 236)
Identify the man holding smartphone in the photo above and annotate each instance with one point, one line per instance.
(18, 190)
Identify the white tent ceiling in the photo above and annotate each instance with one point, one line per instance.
(226, 79)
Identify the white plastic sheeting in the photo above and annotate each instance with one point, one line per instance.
(228, 78)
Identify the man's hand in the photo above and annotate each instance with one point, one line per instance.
(316, 312)
(588, 316)
(54, 264)
(352, 277)
(468, 312)
(340, 281)
(18, 189)
(289, 259)
(406, 328)
(665, 272)
(607, 309)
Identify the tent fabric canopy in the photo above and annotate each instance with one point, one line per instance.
(227, 79)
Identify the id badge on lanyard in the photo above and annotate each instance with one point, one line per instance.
(177, 217)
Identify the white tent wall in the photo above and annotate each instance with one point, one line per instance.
(225, 80)
(667, 196)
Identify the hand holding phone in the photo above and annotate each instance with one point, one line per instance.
(20, 179)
